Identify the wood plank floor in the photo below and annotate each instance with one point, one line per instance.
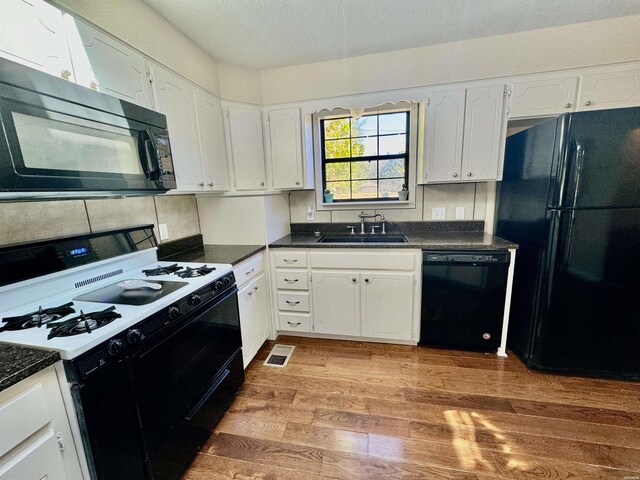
(352, 410)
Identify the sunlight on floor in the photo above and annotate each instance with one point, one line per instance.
(464, 441)
(512, 463)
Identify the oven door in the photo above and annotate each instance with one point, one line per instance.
(185, 381)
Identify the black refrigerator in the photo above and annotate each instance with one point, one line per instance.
(570, 197)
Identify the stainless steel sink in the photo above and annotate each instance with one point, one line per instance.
(363, 239)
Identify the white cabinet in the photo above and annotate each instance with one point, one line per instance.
(32, 33)
(464, 134)
(549, 96)
(336, 302)
(246, 151)
(212, 141)
(174, 98)
(613, 89)
(285, 135)
(106, 65)
(254, 319)
(36, 439)
(387, 304)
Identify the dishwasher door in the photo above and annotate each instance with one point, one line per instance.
(463, 296)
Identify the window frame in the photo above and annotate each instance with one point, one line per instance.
(410, 172)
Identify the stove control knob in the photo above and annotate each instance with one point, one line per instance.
(134, 336)
(226, 281)
(115, 347)
(194, 300)
(217, 285)
(173, 312)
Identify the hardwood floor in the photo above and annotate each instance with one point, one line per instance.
(352, 410)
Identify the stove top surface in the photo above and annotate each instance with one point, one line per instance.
(115, 293)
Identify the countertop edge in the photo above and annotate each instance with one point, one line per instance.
(48, 358)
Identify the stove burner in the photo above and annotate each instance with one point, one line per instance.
(162, 270)
(83, 323)
(189, 272)
(38, 318)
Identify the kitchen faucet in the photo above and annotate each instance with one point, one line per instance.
(382, 222)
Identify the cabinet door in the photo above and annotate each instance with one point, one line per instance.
(543, 97)
(610, 90)
(285, 134)
(247, 310)
(483, 133)
(244, 128)
(106, 65)
(387, 305)
(261, 301)
(444, 132)
(32, 33)
(39, 460)
(174, 98)
(212, 143)
(336, 302)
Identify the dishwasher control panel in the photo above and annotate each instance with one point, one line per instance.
(458, 257)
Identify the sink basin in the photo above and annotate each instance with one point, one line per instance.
(364, 239)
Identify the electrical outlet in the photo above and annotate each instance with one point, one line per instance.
(310, 213)
(459, 213)
(164, 231)
(438, 213)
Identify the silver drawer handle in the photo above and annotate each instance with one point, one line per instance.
(294, 324)
(292, 303)
(249, 293)
(291, 281)
(250, 271)
(255, 288)
(290, 261)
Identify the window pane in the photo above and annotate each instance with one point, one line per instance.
(393, 123)
(364, 126)
(393, 144)
(364, 147)
(340, 190)
(338, 128)
(363, 189)
(390, 188)
(392, 168)
(364, 170)
(338, 171)
(337, 148)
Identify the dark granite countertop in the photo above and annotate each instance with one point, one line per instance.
(18, 362)
(422, 241)
(232, 254)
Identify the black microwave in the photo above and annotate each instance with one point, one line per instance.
(59, 139)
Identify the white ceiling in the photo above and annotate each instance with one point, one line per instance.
(262, 34)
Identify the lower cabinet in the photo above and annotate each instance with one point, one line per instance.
(254, 317)
(336, 302)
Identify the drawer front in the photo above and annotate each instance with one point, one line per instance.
(295, 322)
(290, 259)
(358, 260)
(23, 415)
(249, 268)
(293, 302)
(292, 280)
(39, 460)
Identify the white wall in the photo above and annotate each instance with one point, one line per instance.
(581, 45)
(240, 84)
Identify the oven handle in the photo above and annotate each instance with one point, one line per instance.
(219, 379)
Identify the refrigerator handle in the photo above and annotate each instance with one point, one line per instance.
(570, 181)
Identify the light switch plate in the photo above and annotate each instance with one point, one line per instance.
(438, 213)
(310, 213)
(459, 213)
(164, 231)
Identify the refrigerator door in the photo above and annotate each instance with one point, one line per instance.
(602, 161)
(589, 307)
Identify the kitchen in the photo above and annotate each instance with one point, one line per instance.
(260, 219)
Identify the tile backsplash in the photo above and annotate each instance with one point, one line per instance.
(30, 221)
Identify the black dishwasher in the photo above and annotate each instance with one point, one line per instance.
(463, 295)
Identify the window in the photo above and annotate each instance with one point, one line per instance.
(365, 159)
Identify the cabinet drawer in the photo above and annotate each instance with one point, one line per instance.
(295, 302)
(290, 259)
(295, 322)
(363, 260)
(39, 460)
(248, 269)
(292, 280)
(23, 415)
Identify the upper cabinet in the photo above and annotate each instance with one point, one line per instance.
(464, 135)
(106, 65)
(212, 142)
(32, 33)
(550, 96)
(614, 89)
(285, 135)
(246, 151)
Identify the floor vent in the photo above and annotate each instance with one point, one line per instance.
(279, 355)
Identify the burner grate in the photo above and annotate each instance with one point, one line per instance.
(83, 323)
(37, 318)
(162, 270)
(189, 272)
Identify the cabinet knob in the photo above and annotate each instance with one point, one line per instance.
(211, 184)
(262, 184)
(469, 174)
(366, 280)
(455, 175)
(94, 84)
(297, 182)
(588, 102)
(66, 74)
(567, 105)
(353, 280)
(201, 184)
